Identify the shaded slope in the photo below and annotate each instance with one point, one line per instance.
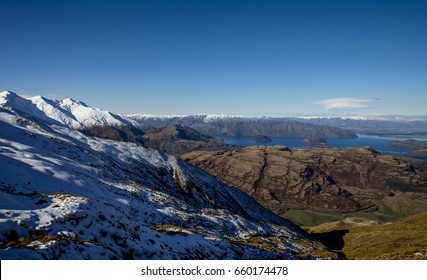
(175, 140)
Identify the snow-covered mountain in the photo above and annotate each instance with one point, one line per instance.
(77, 115)
(68, 112)
(65, 195)
(103, 124)
(207, 118)
(221, 117)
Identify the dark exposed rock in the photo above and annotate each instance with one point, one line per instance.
(178, 139)
(117, 133)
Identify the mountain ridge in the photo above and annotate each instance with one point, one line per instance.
(68, 112)
(66, 195)
(103, 124)
(242, 126)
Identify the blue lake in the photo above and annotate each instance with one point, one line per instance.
(380, 144)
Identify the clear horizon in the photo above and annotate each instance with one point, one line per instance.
(268, 115)
(251, 58)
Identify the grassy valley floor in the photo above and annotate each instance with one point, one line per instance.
(364, 239)
(389, 209)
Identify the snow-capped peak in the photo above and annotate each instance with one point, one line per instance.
(7, 97)
(72, 102)
(68, 112)
(6, 93)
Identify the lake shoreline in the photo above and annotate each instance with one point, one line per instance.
(378, 143)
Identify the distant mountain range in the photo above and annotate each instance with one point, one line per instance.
(171, 134)
(78, 115)
(241, 126)
(306, 127)
(393, 126)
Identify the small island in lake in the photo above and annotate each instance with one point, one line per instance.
(316, 142)
(262, 139)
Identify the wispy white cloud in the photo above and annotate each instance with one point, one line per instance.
(345, 103)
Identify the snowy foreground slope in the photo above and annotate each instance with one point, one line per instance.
(64, 195)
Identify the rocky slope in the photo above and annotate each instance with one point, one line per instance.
(174, 140)
(65, 195)
(178, 140)
(320, 179)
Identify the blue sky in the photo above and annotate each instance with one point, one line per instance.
(223, 57)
